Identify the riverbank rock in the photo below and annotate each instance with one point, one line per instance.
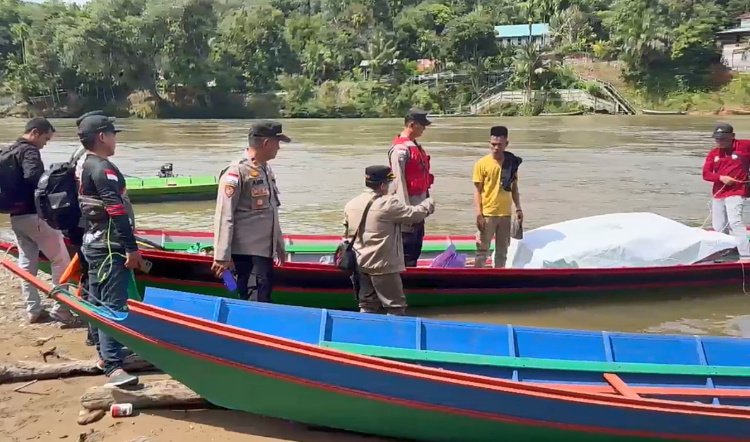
(18, 110)
(144, 104)
(71, 106)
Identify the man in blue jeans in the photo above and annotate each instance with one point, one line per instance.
(109, 245)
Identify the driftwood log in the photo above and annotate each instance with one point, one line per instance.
(157, 394)
(28, 371)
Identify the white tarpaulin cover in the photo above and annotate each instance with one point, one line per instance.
(616, 240)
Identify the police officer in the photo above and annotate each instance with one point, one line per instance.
(411, 167)
(373, 224)
(247, 232)
(109, 244)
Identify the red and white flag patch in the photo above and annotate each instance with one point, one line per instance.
(232, 179)
(111, 175)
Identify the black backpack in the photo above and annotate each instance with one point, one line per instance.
(11, 181)
(56, 196)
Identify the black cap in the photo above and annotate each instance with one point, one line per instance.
(94, 124)
(378, 174)
(499, 131)
(40, 124)
(418, 116)
(88, 114)
(723, 130)
(268, 129)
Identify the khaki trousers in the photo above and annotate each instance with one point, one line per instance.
(33, 235)
(378, 292)
(497, 227)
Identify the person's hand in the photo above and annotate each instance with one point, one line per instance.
(480, 221)
(218, 267)
(727, 180)
(280, 259)
(430, 205)
(133, 260)
(519, 215)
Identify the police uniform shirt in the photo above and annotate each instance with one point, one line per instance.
(247, 213)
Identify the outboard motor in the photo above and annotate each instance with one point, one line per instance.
(166, 171)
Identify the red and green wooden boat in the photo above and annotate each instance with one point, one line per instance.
(267, 359)
(185, 265)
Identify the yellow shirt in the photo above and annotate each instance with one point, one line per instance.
(496, 201)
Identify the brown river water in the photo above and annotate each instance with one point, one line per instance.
(572, 167)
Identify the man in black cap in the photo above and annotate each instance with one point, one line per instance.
(726, 166)
(109, 244)
(21, 167)
(377, 241)
(411, 166)
(247, 232)
(75, 234)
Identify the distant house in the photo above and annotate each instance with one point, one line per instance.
(735, 45)
(514, 35)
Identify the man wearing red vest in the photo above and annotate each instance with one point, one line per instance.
(726, 166)
(411, 167)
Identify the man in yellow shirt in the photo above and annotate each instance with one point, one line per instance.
(495, 186)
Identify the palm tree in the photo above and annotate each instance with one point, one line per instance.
(380, 53)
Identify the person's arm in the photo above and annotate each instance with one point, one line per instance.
(346, 223)
(398, 164)
(32, 167)
(713, 177)
(708, 168)
(399, 212)
(226, 202)
(478, 179)
(109, 188)
(516, 195)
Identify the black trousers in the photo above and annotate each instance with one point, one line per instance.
(254, 277)
(413, 244)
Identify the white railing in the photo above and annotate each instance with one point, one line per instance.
(562, 95)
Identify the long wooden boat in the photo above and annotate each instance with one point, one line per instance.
(179, 188)
(314, 284)
(662, 112)
(261, 365)
(533, 354)
(561, 114)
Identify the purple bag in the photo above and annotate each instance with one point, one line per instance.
(449, 259)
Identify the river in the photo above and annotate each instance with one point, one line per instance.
(572, 167)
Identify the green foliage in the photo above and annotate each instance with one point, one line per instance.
(331, 58)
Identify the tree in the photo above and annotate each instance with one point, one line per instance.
(254, 40)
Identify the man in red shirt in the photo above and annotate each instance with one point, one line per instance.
(726, 166)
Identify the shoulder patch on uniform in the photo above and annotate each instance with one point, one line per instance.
(111, 175)
(229, 190)
(231, 179)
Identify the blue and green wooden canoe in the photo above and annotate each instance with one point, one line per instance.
(267, 359)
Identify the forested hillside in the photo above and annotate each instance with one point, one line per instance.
(307, 54)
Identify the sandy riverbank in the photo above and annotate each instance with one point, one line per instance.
(47, 410)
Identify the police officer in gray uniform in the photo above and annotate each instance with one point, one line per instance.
(247, 233)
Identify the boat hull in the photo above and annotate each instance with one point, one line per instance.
(322, 285)
(265, 379)
(254, 370)
(171, 189)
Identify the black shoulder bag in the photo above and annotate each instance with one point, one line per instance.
(345, 258)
